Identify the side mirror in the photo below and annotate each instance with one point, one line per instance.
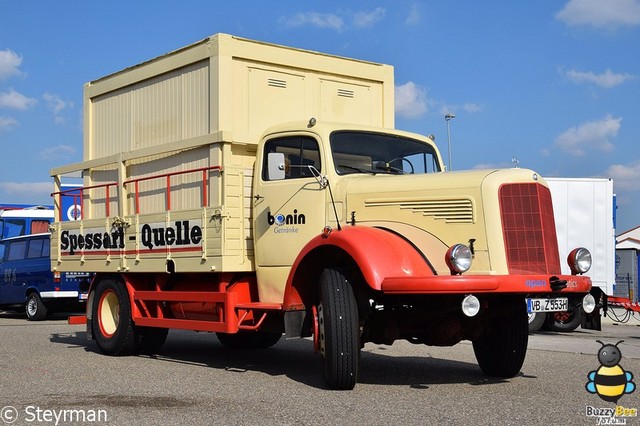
(275, 166)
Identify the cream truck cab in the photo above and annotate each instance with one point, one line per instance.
(256, 191)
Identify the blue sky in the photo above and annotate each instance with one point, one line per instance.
(555, 84)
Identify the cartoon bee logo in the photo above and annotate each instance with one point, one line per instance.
(610, 381)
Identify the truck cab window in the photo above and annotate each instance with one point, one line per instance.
(300, 153)
(368, 152)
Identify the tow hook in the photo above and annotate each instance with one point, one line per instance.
(557, 284)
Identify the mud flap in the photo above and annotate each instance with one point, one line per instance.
(297, 324)
(592, 321)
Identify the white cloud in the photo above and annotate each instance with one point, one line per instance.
(366, 19)
(590, 135)
(9, 64)
(332, 21)
(490, 166)
(27, 188)
(60, 152)
(410, 100)
(606, 80)
(625, 176)
(415, 15)
(604, 14)
(484, 166)
(471, 107)
(7, 123)
(15, 100)
(57, 105)
(314, 19)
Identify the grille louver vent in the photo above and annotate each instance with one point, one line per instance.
(346, 93)
(282, 84)
(451, 211)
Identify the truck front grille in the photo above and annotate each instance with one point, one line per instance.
(529, 229)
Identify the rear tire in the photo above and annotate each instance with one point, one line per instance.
(339, 331)
(249, 339)
(35, 309)
(565, 321)
(112, 326)
(502, 348)
(536, 321)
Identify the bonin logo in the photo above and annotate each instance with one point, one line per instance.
(290, 219)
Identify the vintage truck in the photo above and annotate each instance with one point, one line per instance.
(256, 190)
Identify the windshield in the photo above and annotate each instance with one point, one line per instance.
(365, 152)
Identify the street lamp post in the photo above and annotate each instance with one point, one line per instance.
(448, 118)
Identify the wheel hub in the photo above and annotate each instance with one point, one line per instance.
(109, 313)
(32, 307)
(318, 329)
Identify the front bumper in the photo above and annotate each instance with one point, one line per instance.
(515, 284)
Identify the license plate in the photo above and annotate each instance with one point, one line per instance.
(548, 305)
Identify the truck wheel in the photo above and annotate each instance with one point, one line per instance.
(112, 325)
(501, 349)
(536, 321)
(34, 307)
(565, 321)
(339, 331)
(152, 339)
(249, 340)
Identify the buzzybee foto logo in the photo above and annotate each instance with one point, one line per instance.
(610, 382)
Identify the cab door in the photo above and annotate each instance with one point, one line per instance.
(288, 210)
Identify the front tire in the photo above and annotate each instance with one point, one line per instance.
(502, 348)
(112, 326)
(339, 331)
(35, 309)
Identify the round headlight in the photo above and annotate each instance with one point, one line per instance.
(470, 305)
(579, 260)
(459, 258)
(588, 304)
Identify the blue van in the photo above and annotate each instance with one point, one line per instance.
(24, 221)
(26, 280)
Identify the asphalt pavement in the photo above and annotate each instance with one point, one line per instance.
(50, 369)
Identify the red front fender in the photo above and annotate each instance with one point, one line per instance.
(378, 253)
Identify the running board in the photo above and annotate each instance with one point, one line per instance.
(230, 316)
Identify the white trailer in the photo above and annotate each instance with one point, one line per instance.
(583, 210)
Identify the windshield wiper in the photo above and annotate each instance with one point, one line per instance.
(385, 167)
(357, 169)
